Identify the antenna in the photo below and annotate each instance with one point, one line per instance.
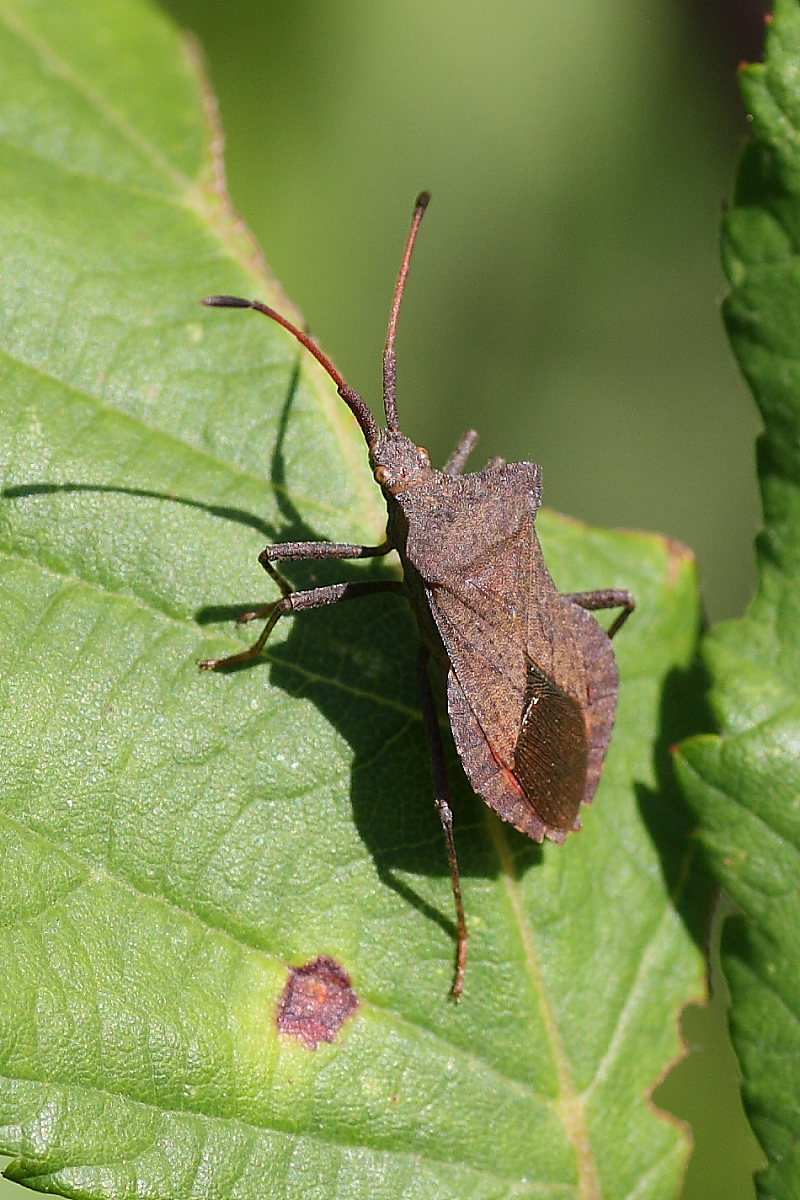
(350, 396)
(389, 357)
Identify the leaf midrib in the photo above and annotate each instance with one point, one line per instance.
(567, 1102)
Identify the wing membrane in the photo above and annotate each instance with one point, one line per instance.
(532, 678)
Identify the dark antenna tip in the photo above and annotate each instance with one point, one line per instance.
(226, 302)
(389, 354)
(350, 396)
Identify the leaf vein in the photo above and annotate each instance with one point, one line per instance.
(644, 965)
(316, 1137)
(111, 117)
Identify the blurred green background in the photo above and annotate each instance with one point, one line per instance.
(565, 295)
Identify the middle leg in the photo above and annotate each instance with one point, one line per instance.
(295, 602)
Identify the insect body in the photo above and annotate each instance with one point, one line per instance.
(531, 676)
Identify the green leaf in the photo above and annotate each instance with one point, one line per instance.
(174, 843)
(745, 785)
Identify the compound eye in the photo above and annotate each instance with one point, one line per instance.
(382, 475)
(423, 456)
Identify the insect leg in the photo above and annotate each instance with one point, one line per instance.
(606, 598)
(457, 460)
(441, 793)
(295, 602)
(285, 551)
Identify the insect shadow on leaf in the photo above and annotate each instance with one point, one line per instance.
(531, 676)
(394, 843)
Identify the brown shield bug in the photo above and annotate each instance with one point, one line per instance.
(531, 677)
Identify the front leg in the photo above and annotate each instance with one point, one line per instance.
(458, 459)
(295, 602)
(605, 598)
(308, 551)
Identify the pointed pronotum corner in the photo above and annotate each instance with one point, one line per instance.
(316, 1001)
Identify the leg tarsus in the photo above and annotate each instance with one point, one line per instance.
(274, 612)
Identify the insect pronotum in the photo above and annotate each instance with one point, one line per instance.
(531, 677)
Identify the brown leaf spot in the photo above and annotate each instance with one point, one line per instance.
(316, 1001)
